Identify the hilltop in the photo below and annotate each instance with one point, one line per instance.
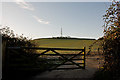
(67, 38)
(66, 43)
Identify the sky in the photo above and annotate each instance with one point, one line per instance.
(45, 19)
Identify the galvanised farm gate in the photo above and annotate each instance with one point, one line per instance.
(64, 59)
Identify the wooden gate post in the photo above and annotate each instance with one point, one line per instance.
(3, 58)
(3, 53)
(0, 56)
(84, 57)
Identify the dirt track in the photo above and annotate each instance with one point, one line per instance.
(92, 64)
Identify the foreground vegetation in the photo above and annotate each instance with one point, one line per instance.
(111, 44)
(19, 64)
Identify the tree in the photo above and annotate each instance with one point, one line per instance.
(111, 39)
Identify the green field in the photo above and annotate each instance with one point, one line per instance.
(66, 43)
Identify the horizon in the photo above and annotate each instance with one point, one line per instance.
(65, 37)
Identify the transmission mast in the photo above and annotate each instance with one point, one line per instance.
(61, 32)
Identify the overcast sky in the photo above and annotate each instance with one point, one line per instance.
(45, 19)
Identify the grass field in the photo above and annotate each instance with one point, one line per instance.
(66, 43)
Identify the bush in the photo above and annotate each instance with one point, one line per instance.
(19, 63)
(111, 44)
(111, 41)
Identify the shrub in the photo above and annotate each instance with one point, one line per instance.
(20, 63)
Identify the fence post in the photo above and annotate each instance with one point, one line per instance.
(0, 56)
(3, 58)
(84, 57)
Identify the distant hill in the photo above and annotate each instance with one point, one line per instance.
(67, 38)
(58, 42)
